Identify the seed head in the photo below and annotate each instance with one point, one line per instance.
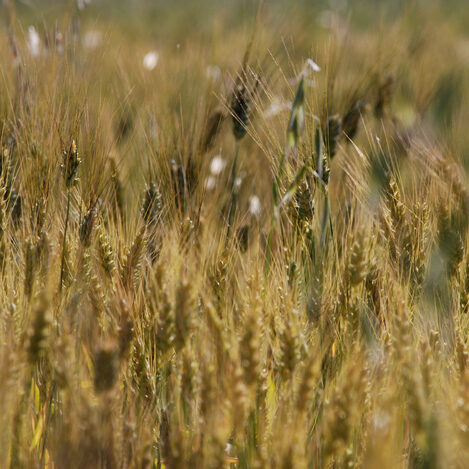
(70, 165)
(240, 109)
(151, 207)
(87, 225)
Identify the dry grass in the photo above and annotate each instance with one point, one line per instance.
(257, 265)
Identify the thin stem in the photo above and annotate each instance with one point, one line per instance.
(62, 265)
(326, 219)
(268, 256)
(233, 200)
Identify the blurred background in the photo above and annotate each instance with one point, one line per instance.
(133, 48)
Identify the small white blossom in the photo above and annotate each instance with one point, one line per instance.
(82, 3)
(34, 42)
(254, 205)
(92, 39)
(150, 60)
(217, 165)
(313, 65)
(309, 66)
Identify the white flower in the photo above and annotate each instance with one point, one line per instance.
(314, 66)
(309, 66)
(217, 165)
(34, 42)
(151, 60)
(82, 3)
(92, 39)
(254, 205)
(213, 72)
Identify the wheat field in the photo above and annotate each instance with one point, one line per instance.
(234, 234)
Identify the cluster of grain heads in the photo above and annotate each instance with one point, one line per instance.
(405, 231)
(167, 346)
(341, 414)
(418, 419)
